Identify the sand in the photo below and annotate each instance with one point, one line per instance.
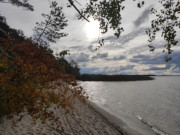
(81, 121)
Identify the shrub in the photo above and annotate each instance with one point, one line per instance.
(32, 79)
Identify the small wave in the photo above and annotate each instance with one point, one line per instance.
(156, 130)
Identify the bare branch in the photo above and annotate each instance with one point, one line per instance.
(3, 31)
(71, 2)
(1, 50)
(19, 3)
(5, 53)
(44, 29)
(78, 2)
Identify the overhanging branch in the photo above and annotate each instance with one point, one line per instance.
(72, 4)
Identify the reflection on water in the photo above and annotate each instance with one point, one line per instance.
(156, 101)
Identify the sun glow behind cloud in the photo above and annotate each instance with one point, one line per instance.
(92, 29)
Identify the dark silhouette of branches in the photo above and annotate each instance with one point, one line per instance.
(49, 30)
(167, 21)
(72, 4)
(19, 3)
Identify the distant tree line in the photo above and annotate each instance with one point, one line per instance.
(100, 77)
(71, 67)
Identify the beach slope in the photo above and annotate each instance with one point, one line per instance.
(81, 121)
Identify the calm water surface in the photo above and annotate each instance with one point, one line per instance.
(155, 103)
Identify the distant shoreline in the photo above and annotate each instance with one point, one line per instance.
(100, 77)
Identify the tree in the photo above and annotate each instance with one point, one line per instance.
(71, 67)
(49, 30)
(63, 53)
(6, 31)
(33, 80)
(75, 68)
(167, 22)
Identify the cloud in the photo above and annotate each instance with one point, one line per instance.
(83, 65)
(82, 57)
(77, 47)
(141, 56)
(157, 63)
(79, 57)
(159, 68)
(175, 58)
(147, 59)
(143, 17)
(88, 70)
(110, 70)
(122, 57)
(100, 55)
(126, 67)
(164, 69)
(126, 55)
(156, 59)
(90, 48)
(127, 37)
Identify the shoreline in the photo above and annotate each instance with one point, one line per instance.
(119, 124)
(82, 120)
(127, 127)
(124, 124)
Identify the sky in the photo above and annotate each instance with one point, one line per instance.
(127, 55)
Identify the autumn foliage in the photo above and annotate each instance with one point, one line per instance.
(32, 79)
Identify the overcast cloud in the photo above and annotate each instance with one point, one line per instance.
(143, 17)
(127, 55)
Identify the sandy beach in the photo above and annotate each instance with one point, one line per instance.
(81, 121)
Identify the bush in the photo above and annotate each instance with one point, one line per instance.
(32, 79)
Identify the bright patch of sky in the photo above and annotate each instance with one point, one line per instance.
(127, 55)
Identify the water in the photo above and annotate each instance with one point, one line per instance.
(155, 103)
